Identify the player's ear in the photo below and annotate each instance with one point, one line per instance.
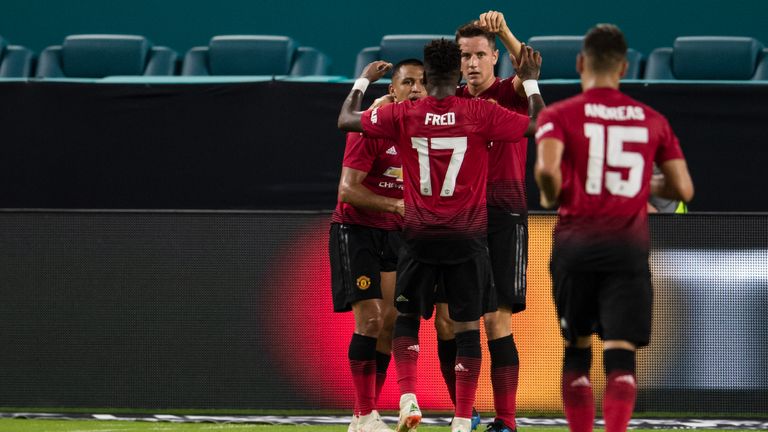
(391, 90)
(624, 67)
(495, 56)
(579, 63)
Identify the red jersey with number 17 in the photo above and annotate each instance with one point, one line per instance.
(611, 142)
(443, 144)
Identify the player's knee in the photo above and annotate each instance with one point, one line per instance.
(619, 344)
(387, 326)
(580, 342)
(498, 324)
(388, 316)
(463, 326)
(370, 326)
(444, 327)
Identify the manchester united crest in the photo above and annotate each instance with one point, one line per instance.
(363, 282)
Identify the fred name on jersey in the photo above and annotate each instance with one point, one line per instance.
(447, 119)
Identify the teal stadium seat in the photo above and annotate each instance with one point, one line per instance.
(101, 55)
(254, 55)
(709, 58)
(15, 61)
(761, 74)
(559, 58)
(395, 48)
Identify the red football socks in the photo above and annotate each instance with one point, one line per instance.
(468, 361)
(505, 367)
(578, 402)
(362, 363)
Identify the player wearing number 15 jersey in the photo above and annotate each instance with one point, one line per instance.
(443, 142)
(595, 156)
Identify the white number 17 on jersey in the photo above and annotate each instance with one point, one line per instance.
(459, 147)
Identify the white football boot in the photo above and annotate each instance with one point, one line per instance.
(372, 423)
(410, 414)
(461, 424)
(353, 424)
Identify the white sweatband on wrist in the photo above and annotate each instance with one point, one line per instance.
(361, 84)
(531, 87)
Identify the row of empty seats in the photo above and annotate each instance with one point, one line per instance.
(98, 56)
(690, 57)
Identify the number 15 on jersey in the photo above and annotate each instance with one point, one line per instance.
(606, 149)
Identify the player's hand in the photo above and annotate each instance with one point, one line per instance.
(492, 21)
(375, 70)
(528, 66)
(384, 100)
(546, 203)
(400, 207)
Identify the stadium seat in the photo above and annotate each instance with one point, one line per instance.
(255, 55)
(559, 58)
(99, 56)
(394, 48)
(761, 74)
(15, 61)
(708, 58)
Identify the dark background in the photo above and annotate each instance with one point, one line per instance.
(231, 310)
(274, 144)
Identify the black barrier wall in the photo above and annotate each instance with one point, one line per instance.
(274, 145)
(232, 310)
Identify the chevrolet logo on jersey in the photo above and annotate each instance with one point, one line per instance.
(395, 172)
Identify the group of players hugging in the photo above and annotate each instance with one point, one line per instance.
(432, 218)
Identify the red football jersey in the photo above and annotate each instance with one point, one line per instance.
(611, 142)
(444, 149)
(380, 159)
(506, 163)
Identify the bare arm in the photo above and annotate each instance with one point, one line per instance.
(535, 105)
(676, 182)
(349, 117)
(549, 154)
(528, 65)
(494, 22)
(353, 192)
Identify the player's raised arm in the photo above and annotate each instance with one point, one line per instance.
(494, 22)
(528, 66)
(349, 117)
(676, 182)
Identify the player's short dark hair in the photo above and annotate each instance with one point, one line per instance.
(406, 62)
(606, 47)
(442, 60)
(473, 29)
